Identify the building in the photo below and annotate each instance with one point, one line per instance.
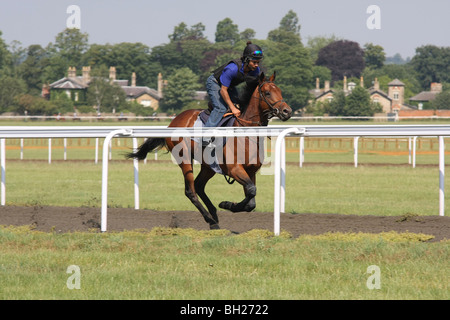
(76, 87)
(426, 96)
(392, 101)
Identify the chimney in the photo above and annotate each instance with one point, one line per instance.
(376, 85)
(160, 84)
(133, 79)
(72, 73)
(86, 76)
(361, 82)
(436, 87)
(317, 85)
(327, 86)
(112, 74)
(345, 84)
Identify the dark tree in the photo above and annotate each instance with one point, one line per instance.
(343, 58)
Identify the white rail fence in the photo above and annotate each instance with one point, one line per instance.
(108, 133)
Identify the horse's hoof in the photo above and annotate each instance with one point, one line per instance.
(227, 205)
(214, 226)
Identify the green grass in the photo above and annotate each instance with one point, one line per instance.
(188, 264)
(385, 190)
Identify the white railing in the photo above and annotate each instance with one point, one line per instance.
(108, 133)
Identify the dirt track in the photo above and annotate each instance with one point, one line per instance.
(66, 219)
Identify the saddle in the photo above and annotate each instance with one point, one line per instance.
(227, 119)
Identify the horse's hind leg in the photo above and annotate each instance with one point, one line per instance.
(200, 182)
(189, 190)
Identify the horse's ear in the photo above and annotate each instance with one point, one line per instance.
(272, 78)
(262, 77)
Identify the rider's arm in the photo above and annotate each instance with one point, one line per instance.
(227, 99)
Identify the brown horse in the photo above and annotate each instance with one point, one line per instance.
(265, 102)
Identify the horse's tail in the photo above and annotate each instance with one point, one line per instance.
(149, 145)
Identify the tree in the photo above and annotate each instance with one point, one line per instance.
(294, 71)
(343, 58)
(181, 32)
(180, 90)
(314, 44)
(374, 56)
(71, 44)
(442, 101)
(31, 70)
(359, 104)
(105, 96)
(227, 31)
(432, 64)
(247, 34)
(5, 55)
(10, 88)
(338, 104)
(288, 32)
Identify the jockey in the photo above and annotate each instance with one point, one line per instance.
(221, 85)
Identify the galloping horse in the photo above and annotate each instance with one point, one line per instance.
(265, 103)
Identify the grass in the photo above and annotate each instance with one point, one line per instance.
(188, 264)
(385, 190)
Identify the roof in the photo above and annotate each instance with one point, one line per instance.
(396, 82)
(372, 91)
(425, 96)
(69, 83)
(135, 92)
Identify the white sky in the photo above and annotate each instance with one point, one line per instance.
(405, 24)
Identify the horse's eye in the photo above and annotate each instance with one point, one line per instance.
(268, 94)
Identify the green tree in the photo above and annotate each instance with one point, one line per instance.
(105, 96)
(71, 44)
(374, 56)
(180, 90)
(337, 106)
(182, 32)
(442, 101)
(288, 32)
(10, 88)
(227, 31)
(32, 68)
(359, 104)
(5, 55)
(432, 64)
(294, 71)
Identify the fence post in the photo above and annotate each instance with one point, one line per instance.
(441, 176)
(136, 177)
(3, 169)
(277, 186)
(108, 139)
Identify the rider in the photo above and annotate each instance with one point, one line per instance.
(221, 85)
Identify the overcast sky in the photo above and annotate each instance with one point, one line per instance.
(403, 25)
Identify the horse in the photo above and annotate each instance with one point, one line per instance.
(265, 102)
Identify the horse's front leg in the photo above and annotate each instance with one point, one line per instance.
(249, 203)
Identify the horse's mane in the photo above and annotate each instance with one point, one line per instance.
(245, 95)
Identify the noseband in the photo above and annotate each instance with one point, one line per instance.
(272, 111)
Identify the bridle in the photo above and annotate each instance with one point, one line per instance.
(271, 111)
(267, 113)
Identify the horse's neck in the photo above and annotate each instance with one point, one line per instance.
(252, 115)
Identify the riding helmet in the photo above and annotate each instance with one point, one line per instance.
(252, 52)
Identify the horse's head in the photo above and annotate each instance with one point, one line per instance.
(271, 100)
